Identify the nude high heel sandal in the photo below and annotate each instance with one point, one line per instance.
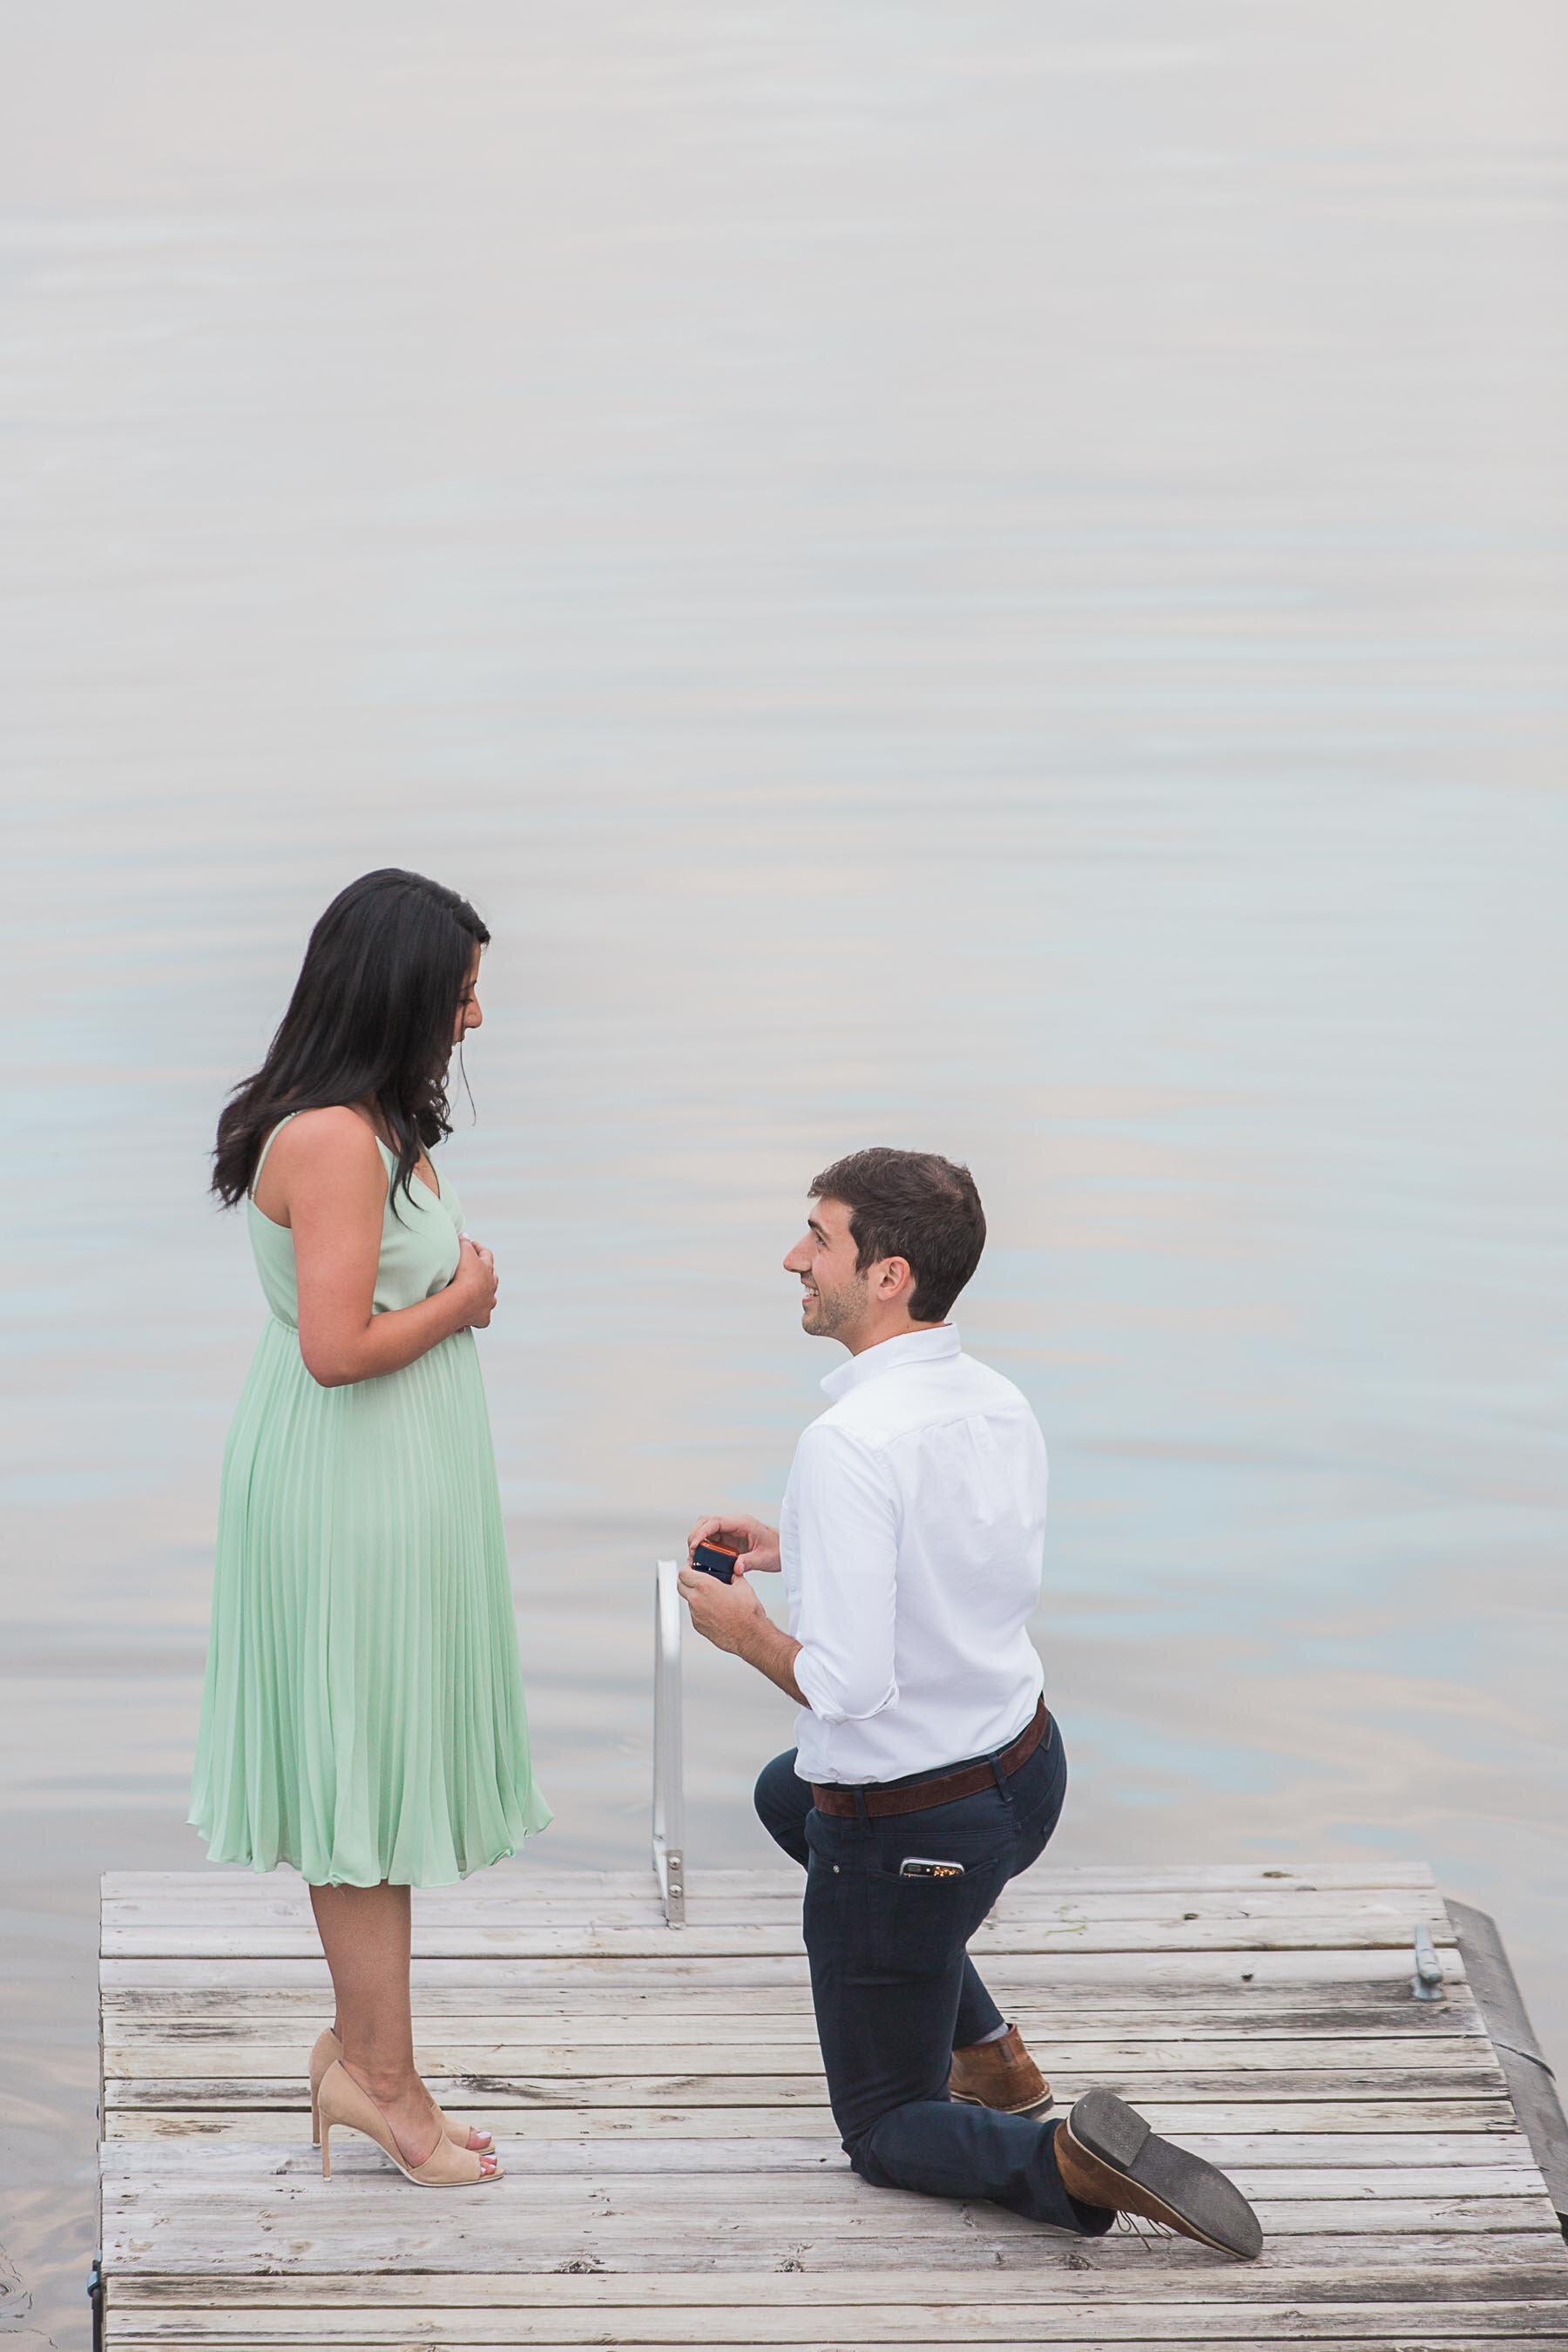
(329, 2049)
(340, 2100)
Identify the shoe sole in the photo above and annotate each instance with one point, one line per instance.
(1193, 2195)
(1030, 2106)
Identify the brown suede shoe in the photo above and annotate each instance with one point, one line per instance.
(1107, 2156)
(999, 2074)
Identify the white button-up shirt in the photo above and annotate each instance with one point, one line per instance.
(911, 1542)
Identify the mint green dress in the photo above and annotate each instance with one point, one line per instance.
(362, 1716)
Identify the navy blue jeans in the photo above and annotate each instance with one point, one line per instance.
(896, 1991)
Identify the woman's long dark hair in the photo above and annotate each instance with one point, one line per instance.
(371, 1020)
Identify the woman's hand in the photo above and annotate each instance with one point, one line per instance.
(333, 1200)
(757, 1543)
(473, 1289)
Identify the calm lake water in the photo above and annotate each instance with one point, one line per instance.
(982, 577)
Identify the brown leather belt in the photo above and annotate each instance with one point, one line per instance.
(939, 1788)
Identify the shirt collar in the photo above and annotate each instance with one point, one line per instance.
(892, 1356)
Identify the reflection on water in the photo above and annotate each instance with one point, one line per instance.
(942, 578)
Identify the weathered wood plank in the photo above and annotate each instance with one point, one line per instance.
(637, 2206)
(821, 2343)
(570, 2173)
(1494, 2154)
(1323, 2264)
(211, 1903)
(1410, 2327)
(1106, 2274)
(595, 2011)
(1088, 2057)
(580, 1885)
(1433, 2337)
(129, 2037)
(1471, 2118)
(500, 2091)
(1019, 1905)
(630, 2223)
(1226, 1987)
(673, 1964)
(522, 1941)
(1420, 2340)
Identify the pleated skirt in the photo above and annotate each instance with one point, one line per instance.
(362, 1716)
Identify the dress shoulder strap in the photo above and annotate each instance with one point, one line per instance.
(261, 1155)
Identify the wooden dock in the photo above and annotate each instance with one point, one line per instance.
(673, 2175)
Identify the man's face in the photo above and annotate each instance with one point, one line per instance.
(835, 1297)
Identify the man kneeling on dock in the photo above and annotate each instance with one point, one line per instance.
(927, 1771)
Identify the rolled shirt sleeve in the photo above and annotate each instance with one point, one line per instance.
(846, 1526)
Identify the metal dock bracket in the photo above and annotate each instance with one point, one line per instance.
(1426, 1983)
(668, 1781)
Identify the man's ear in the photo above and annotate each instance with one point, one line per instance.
(895, 1280)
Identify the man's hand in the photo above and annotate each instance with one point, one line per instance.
(722, 1614)
(733, 1618)
(757, 1543)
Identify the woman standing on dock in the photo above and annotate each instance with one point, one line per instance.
(362, 1717)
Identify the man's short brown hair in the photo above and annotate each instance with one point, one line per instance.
(915, 1205)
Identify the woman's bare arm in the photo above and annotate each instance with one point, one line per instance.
(325, 1179)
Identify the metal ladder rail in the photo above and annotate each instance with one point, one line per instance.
(669, 1783)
